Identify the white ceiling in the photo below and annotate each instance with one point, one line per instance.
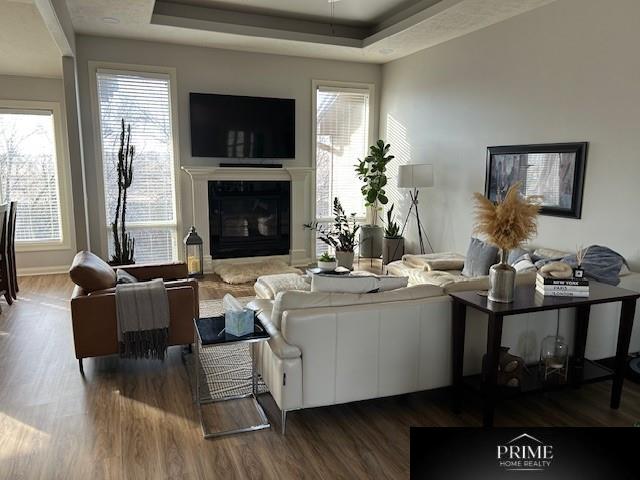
(26, 47)
(374, 31)
(247, 25)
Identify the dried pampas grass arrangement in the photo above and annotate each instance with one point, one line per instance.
(509, 223)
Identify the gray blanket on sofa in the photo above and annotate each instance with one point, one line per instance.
(600, 264)
(142, 311)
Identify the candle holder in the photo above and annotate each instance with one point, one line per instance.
(193, 253)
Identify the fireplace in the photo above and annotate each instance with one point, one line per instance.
(249, 218)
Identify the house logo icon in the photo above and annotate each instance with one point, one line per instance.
(524, 453)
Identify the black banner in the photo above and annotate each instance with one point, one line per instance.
(522, 453)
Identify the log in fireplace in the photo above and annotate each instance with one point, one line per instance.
(249, 218)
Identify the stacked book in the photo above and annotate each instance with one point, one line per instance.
(562, 287)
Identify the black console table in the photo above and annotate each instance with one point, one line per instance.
(527, 300)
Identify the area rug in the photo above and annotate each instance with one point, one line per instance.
(235, 273)
(225, 370)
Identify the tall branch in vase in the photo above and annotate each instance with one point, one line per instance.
(123, 242)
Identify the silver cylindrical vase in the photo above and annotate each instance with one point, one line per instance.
(502, 280)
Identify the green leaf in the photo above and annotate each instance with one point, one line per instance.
(383, 200)
(371, 196)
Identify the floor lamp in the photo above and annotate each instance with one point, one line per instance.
(416, 176)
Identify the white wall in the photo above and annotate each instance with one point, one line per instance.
(569, 71)
(42, 90)
(211, 71)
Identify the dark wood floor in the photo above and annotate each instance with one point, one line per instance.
(136, 420)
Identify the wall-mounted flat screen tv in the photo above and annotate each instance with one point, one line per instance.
(230, 126)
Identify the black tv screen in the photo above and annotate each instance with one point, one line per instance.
(230, 126)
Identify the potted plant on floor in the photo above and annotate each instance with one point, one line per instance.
(341, 235)
(372, 171)
(393, 242)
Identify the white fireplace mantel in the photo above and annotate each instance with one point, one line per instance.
(301, 211)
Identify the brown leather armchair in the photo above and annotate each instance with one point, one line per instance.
(94, 314)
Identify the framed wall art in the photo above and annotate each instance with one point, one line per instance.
(554, 171)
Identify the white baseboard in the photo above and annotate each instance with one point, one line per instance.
(302, 262)
(300, 257)
(31, 271)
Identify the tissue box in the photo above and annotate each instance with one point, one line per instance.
(239, 323)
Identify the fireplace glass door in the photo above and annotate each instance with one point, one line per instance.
(249, 218)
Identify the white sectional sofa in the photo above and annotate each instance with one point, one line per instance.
(331, 348)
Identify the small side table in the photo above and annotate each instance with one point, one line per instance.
(209, 333)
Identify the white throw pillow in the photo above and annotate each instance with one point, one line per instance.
(391, 282)
(524, 264)
(361, 282)
(343, 284)
(539, 253)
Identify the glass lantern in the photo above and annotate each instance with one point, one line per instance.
(193, 253)
(554, 359)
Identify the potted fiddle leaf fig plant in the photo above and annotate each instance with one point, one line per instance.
(372, 171)
(393, 242)
(341, 235)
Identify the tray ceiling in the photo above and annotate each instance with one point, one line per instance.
(375, 31)
(362, 12)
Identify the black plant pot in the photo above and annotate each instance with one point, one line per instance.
(392, 249)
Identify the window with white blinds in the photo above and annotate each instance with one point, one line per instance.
(143, 100)
(29, 174)
(342, 137)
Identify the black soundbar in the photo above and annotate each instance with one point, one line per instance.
(251, 165)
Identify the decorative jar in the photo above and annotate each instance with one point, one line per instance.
(554, 358)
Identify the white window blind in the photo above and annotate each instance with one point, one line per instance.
(28, 174)
(144, 101)
(342, 136)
